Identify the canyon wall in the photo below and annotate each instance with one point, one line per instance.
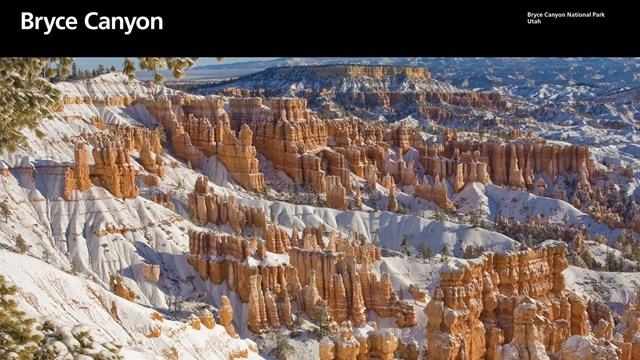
(502, 305)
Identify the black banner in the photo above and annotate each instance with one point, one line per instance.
(317, 29)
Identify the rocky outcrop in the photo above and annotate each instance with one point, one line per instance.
(347, 346)
(82, 170)
(200, 129)
(226, 316)
(436, 193)
(194, 321)
(239, 156)
(408, 351)
(587, 348)
(375, 344)
(287, 134)
(488, 307)
(151, 272)
(327, 349)
(206, 318)
(382, 344)
(348, 292)
(526, 340)
(257, 318)
(336, 193)
(152, 163)
(516, 162)
(163, 199)
(78, 177)
(209, 207)
(119, 288)
(417, 293)
(113, 170)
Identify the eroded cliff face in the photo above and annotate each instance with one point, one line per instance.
(374, 344)
(316, 275)
(515, 163)
(208, 207)
(324, 154)
(395, 91)
(510, 306)
(199, 128)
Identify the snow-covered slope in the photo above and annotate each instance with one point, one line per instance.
(45, 291)
(72, 248)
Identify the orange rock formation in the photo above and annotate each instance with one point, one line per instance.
(113, 170)
(505, 305)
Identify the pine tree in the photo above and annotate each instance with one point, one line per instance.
(74, 71)
(21, 245)
(322, 319)
(445, 253)
(404, 246)
(194, 218)
(100, 69)
(5, 210)
(26, 95)
(17, 338)
(113, 68)
(283, 348)
(425, 251)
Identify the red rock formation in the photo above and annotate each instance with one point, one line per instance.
(336, 193)
(239, 156)
(194, 138)
(382, 344)
(151, 164)
(417, 293)
(376, 344)
(347, 346)
(151, 272)
(257, 317)
(163, 199)
(98, 122)
(113, 170)
(206, 318)
(327, 349)
(78, 178)
(194, 321)
(524, 157)
(120, 289)
(82, 170)
(357, 201)
(437, 193)
(526, 341)
(348, 292)
(210, 207)
(408, 351)
(286, 134)
(475, 309)
(226, 316)
(392, 203)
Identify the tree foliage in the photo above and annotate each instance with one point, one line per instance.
(322, 319)
(283, 348)
(425, 251)
(27, 95)
(17, 338)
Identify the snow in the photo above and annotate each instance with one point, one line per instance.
(66, 273)
(48, 292)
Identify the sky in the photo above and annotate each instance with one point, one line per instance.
(92, 63)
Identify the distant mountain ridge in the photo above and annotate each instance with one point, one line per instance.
(471, 73)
